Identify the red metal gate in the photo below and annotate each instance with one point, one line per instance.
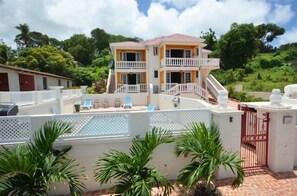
(254, 138)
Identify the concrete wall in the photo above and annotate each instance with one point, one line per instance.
(295, 148)
(86, 152)
(229, 124)
(262, 95)
(138, 99)
(281, 140)
(153, 64)
(165, 103)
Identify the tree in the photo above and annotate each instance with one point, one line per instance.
(266, 33)
(30, 169)
(134, 176)
(238, 45)
(105, 59)
(206, 148)
(100, 39)
(80, 47)
(23, 39)
(46, 59)
(38, 39)
(6, 54)
(210, 39)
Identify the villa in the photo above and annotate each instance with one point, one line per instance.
(172, 64)
(173, 73)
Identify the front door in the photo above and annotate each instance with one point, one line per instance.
(176, 77)
(26, 82)
(4, 85)
(131, 78)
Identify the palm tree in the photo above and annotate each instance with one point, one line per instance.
(134, 176)
(207, 151)
(30, 169)
(23, 39)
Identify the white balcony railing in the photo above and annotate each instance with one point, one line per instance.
(190, 62)
(131, 88)
(130, 64)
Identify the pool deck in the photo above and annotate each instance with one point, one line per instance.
(256, 182)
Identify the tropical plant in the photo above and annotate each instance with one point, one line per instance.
(134, 176)
(31, 168)
(207, 151)
(23, 39)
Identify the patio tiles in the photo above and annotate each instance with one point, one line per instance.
(261, 182)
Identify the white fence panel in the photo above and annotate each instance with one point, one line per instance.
(88, 125)
(23, 98)
(14, 128)
(176, 120)
(47, 96)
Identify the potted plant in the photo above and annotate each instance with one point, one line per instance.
(77, 107)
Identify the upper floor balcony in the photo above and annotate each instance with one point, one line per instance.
(130, 65)
(191, 62)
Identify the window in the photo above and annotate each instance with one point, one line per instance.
(197, 51)
(167, 53)
(138, 56)
(44, 81)
(168, 77)
(138, 79)
(124, 78)
(155, 50)
(188, 77)
(123, 56)
(197, 74)
(59, 83)
(188, 54)
(156, 74)
(68, 84)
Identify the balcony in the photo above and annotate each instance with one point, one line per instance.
(131, 88)
(190, 62)
(130, 65)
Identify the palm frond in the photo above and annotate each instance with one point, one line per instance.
(131, 171)
(43, 140)
(30, 169)
(206, 148)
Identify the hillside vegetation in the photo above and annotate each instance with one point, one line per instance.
(264, 72)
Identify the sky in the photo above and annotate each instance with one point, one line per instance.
(143, 18)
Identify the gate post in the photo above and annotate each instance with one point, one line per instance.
(229, 124)
(281, 138)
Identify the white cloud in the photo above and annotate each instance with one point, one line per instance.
(289, 36)
(281, 14)
(63, 18)
(179, 4)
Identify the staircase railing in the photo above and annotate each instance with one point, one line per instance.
(214, 86)
(108, 81)
(188, 88)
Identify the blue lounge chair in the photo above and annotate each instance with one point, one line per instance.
(150, 107)
(54, 110)
(87, 104)
(127, 102)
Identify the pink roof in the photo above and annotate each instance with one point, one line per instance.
(173, 36)
(176, 36)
